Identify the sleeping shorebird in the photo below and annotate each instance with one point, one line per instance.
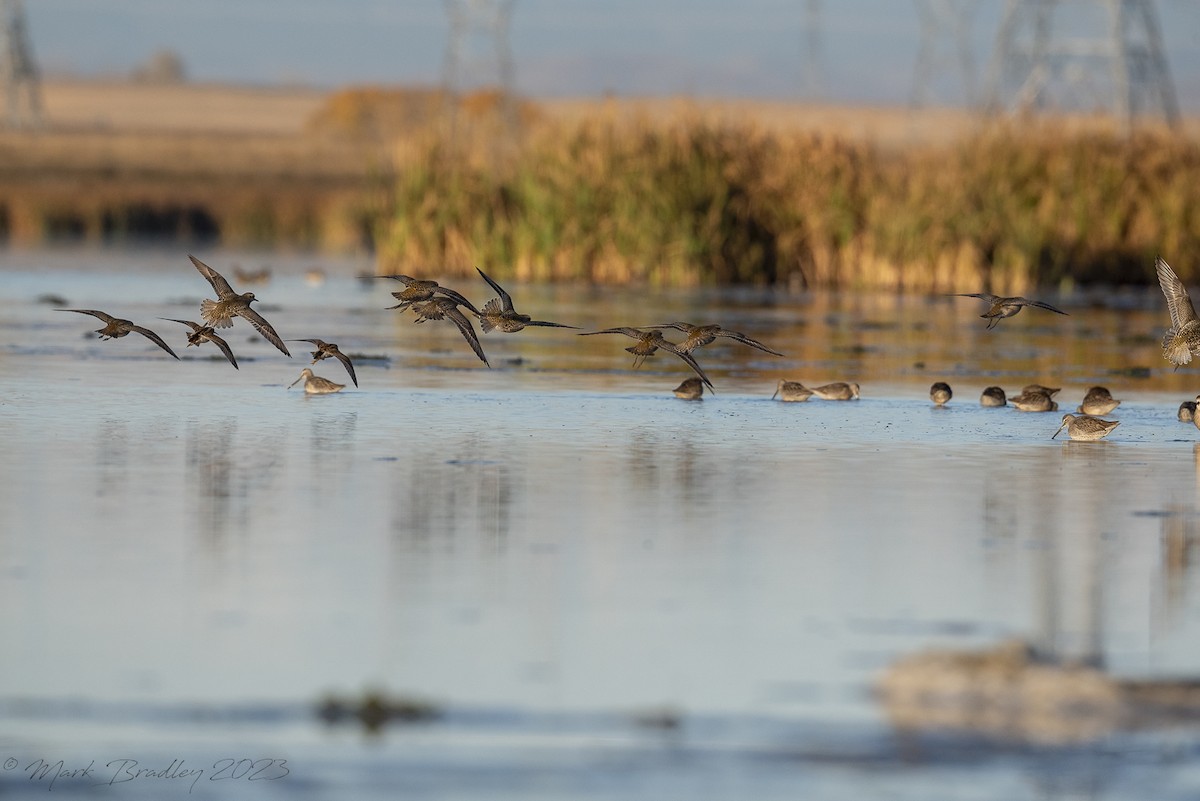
(1042, 389)
(417, 290)
(700, 335)
(315, 385)
(940, 393)
(1085, 428)
(115, 327)
(219, 313)
(839, 390)
(1182, 339)
(993, 396)
(1030, 401)
(446, 307)
(649, 341)
(690, 389)
(792, 391)
(1098, 400)
(1004, 307)
(325, 350)
(205, 333)
(498, 313)
(1187, 412)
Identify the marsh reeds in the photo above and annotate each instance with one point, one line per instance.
(686, 202)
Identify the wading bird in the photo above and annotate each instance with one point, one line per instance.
(1098, 400)
(219, 313)
(690, 389)
(792, 391)
(940, 393)
(1087, 429)
(325, 350)
(315, 385)
(115, 327)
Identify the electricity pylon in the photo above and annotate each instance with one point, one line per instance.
(1117, 63)
(945, 50)
(478, 55)
(813, 78)
(18, 72)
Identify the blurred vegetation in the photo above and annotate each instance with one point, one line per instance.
(686, 202)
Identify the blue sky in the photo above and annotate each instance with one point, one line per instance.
(750, 48)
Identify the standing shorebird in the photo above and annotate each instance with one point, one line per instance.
(325, 350)
(219, 313)
(1182, 339)
(649, 341)
(1187, 412)
(205, 333)
(993, 396)
(792, 391)
(700, 335)
(690, 389)
(315, 385)
(839, 390)
(445, 307)
(1098, 400)
(940, 393)
(1029, 401)
(1085, 428)
(499, 314)
(115, 327)
(417, 290)
(1004, 307)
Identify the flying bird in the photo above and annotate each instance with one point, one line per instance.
(440, 308)
(700, 335)
(649, 341)
(325, 350)
(219, 313)
(115, 327)
(499, 314)
(205, 333)
(1182, 340)
(1004, 307)
(417, 290)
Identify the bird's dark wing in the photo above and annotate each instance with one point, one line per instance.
(194, 326)
(684, 327)
(687, 357)
(545, 324)
(981, 295)
(1045, 306)
(219, 284)
(505, 298)
(108, 318)
(745, 340)
(153, 337)
(345, 360)
(404, 279)
(636, 333)
(464, 325)
(1178, 301)
(319, 343)
(224, 346)
(457, 298)
(263, 327)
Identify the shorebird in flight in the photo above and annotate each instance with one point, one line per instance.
(115, 327)
(1182, 340)
(417, 290)
(440, 308)
(205, 333)
(1004, 307)
(700, 335)
(498, 313)
(219, 313)
(650, 340)
(325, 350)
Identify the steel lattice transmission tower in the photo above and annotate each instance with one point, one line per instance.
(479, 55)
(18, 72)
(945, 50)
(813, 78)
(1110, 54)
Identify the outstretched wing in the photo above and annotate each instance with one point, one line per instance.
(505, 298)
(224, 346)
(108, 318)
(687, 357)
(464, 326)
(153, 337)
(404, 279)
(984, 296)
(1178, 301)
(263, 327)
(1041, 305)
(194, 326)
(745, 340)
(219, 284)
(345, 360)
(545, 324)
(636, 333)
(457, 298)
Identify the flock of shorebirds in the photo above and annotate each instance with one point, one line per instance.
(428, 300)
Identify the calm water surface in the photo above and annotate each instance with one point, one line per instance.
(555, 550)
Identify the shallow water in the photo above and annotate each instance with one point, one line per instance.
(555, 549)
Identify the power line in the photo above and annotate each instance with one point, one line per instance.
(18, 72)
(945, 50)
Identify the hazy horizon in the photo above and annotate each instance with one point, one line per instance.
(867, 51)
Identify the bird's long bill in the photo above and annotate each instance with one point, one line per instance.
(1060, 428)
(294, 383)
